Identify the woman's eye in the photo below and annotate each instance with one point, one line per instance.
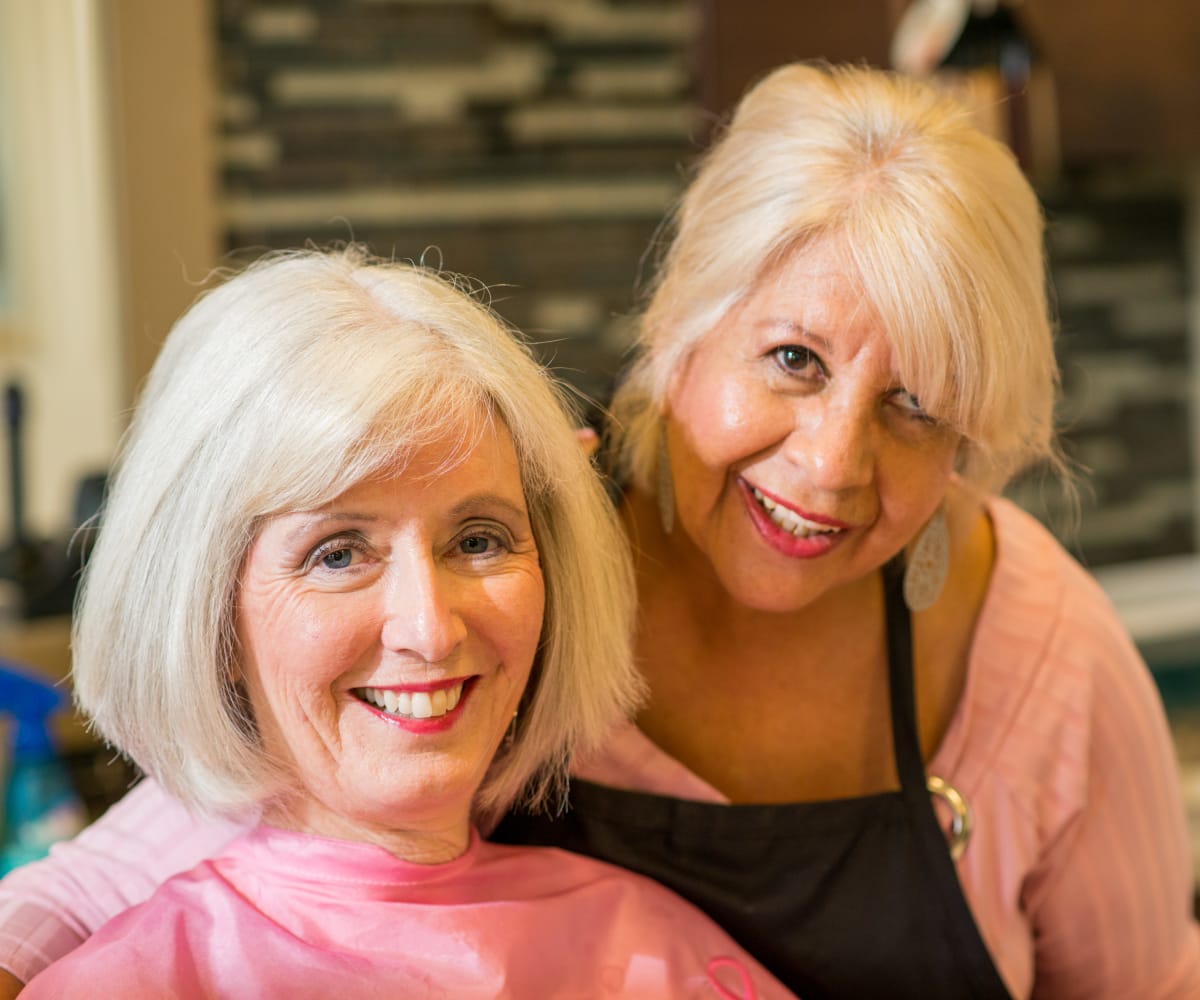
(483, 541)
(336, 554)
(338, 558)
(795, 359)
(477, 545)
(910, 405)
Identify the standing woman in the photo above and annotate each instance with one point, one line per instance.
(897, 742)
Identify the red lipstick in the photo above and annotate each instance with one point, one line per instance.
(782, 540)
(423, 726)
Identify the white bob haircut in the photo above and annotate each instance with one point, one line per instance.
(277, 391)
(936, 218)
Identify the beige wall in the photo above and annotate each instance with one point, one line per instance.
(109, 181)
(164, 104)
(62, 326)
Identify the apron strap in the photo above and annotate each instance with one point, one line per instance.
(928, 836)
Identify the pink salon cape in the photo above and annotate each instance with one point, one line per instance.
(282, 914)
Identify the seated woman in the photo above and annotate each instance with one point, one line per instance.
(356, 577)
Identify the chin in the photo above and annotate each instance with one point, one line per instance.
(772, 597)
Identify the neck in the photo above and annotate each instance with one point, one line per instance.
(425, 845)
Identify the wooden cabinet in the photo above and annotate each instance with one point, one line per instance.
(1127, 74)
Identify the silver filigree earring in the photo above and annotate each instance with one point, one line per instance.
(925, 574)
(666, 489)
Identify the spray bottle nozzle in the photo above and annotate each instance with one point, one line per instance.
(31, 702)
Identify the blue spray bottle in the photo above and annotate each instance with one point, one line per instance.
(41, 805)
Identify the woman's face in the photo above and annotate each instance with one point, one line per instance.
(800, 463)
(386, 640)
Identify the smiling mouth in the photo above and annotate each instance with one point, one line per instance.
(412, 704)
(789, 520)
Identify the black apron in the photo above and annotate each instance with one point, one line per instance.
(848, 898)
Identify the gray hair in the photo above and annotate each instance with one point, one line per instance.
(943, 228)
(277, 391)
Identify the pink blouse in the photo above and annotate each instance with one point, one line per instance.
(1079, 872)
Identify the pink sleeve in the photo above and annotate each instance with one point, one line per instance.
(50, 907)
(1111, 899)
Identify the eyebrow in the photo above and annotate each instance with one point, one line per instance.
(792, 327)
(306, 520)
(470, 506)
(481, 502)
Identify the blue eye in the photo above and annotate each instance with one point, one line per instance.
(484, 541)
(475, 545)
(338, 558)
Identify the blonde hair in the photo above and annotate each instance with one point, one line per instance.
(277, 391)
(943, 229)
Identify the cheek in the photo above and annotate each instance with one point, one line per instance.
(718, 421)
(509, 617)
(293, 647)
(915, 484)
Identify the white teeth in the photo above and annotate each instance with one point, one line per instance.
(790, 521)
(416, 704)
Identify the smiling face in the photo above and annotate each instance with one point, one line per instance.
(800, 463)
(386, 640)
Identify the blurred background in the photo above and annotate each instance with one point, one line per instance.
(537, 145)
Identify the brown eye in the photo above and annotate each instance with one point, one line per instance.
(797, 360)
(793, 357)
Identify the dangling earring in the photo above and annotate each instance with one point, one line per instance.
(510, 735)
(666, 489)
(925, 574)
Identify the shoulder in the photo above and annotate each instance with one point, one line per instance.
(1045, 605)
(581, 888)
(610, 919)
(538, 874)
(1049, 659)
(1080, 854)
(140, 951)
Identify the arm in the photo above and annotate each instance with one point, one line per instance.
(49, 907)
(10, 985)
(1111, 901)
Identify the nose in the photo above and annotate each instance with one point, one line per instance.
(833, 441)
(422, 613)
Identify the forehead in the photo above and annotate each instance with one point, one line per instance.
(817, 276)
(815, 294)
(474, 455)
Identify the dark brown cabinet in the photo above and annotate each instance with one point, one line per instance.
(1127, 73)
